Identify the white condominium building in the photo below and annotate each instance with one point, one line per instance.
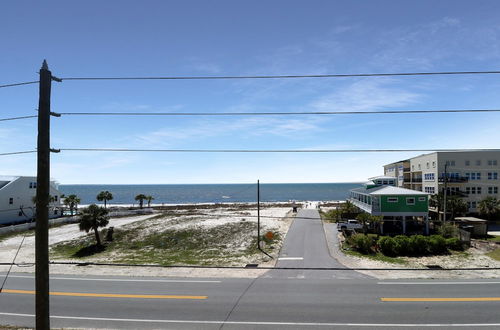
(473, 175)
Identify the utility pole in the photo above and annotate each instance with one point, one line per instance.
(258, 214)
(445, 190)
(42, 202)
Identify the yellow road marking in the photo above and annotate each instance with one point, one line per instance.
(109, 295)
(442, 299)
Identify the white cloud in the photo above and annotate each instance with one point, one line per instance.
(366, 95)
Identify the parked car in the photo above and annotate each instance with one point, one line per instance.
(351, 224)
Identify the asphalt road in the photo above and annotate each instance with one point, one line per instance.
(278, 300)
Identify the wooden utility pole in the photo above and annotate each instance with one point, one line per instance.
(445, 193)
(42, 202)
(258, 215)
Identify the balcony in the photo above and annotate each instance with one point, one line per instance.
(414, 180)
(406, 169)
(454, 179)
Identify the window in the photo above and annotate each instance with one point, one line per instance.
(413, 167)
(478, 163)
(473, 205)
(422, 199)
(467, 190)
(419, 167)
(478, 190)
(473, 176)
(467, 175)
(410, 201)
(434, 164)
(55, 198)
(473, 190)
(427, 165)
(467, 163)
(492, 175)
(384, 182)
(492, 190)
(392, 199)
(495, 190)
(11, 200)
(478, 176)
(31, 185)
(492, 162)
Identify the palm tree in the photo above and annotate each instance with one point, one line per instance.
(72, 202)
(141, 198)
(437, 201)
(104, 196)
(489, 206)
(349, 207)
(92, 218)
(456, 206)
(149, 198)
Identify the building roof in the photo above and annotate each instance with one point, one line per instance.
(389, 190)
(382, 177)
(470, 219)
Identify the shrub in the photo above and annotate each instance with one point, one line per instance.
(402, 247)
(448, 230)
(387, 245)
(362, 243)
(418, 244)
(436, 244)
(454, 244)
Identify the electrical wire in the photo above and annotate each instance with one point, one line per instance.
(20, 84)
(268, 150)
(286, 76)
(16, 118)
(17, 153)
(301, 113)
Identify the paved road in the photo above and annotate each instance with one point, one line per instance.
(305, 246)
(278, 300)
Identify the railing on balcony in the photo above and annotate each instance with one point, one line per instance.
(406, 169)
(453, 179)
(414, 180)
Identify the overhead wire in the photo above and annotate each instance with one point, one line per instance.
(268, 150)
(17, 152)
(299, 113)
(17, 118)
(19, 84)
(285, 76)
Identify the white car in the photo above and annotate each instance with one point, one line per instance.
(351, 224)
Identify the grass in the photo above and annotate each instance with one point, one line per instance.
(221, 245)
(495, 254)
(492, 238)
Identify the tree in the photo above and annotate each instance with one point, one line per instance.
(437, 201)
(348, 208)
(364, 218)
(140, 198)
(149, 198)
(489, 207)
(456, 206)
(92, 218)
(72, 202)
(104, 196)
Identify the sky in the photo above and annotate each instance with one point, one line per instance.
(207, 38)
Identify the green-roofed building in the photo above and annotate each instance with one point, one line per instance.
(379, 196)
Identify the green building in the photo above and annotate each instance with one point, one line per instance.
(380, 197)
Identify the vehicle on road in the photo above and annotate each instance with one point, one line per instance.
(350, 224)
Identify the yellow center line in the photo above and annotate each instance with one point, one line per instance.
(110, 295)
(442, 299)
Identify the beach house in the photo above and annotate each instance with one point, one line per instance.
(16, 199)
(398, 206)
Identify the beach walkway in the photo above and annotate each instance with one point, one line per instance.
(305, 246)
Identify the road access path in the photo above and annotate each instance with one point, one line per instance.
(305, 246)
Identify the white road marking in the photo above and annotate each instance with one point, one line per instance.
(434, 283)
(302, 324)
(291, 258)
(119, 280)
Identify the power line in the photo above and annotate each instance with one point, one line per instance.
(286, 76)
(20, 84)
(17, 153)
(269, 150)
(273, 113)
(16, 118)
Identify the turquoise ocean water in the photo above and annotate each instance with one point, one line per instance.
(214, 193)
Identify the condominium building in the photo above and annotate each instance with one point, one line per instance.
(16, 199)
(472, 175)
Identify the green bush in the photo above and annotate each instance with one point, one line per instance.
(362, 243)
(387, 246)
(402, 247)
(418, 245)
(448, 230)
(436, 244)
(454, 244)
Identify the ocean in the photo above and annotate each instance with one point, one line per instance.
(213, 193)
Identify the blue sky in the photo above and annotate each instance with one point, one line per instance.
(169, 38)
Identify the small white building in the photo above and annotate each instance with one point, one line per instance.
(16, 199)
